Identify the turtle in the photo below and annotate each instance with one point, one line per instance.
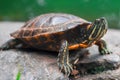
(62, 33)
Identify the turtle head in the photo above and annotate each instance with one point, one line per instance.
(97, 29)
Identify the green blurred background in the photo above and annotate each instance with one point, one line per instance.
(23, 10)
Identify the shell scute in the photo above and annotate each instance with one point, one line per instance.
(48, 30)
(48, 23)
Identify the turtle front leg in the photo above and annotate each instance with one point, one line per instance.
(63, 59)
(102, 46)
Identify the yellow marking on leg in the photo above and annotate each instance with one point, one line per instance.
(76, 60)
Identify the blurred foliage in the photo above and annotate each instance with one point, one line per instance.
(18, 75)
(23, 10)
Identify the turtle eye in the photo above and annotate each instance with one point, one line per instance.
(97, 21)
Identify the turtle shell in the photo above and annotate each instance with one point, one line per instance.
(47, 31)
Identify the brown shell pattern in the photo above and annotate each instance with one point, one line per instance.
(48, 23)
(47, 31)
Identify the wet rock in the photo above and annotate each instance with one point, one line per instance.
(41, 65)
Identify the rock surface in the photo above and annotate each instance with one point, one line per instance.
(41, 65)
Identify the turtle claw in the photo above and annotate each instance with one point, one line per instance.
(105, 51)
(9, 44)
(4, 47)
(66, 68)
